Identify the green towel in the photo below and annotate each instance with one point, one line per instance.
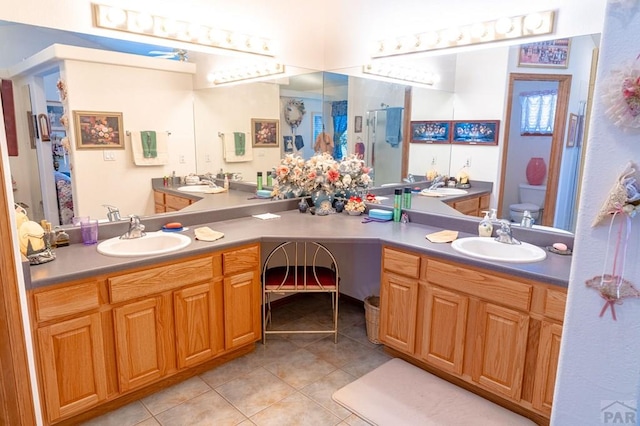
(238, 138)
(149, 145)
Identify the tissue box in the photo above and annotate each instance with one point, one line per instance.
(381, 214)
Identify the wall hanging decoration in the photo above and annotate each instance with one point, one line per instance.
(622, 205)
(621, 95)
(545, 54)
(98, 130)
(476, 132)
(265, 132)
(293, 113)
(430, 131)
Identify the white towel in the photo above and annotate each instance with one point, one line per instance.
(161, 146)
(229, 148)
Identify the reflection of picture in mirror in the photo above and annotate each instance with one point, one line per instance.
(476, 132)
(547, 54)
(45, 129)
(430, 131)
(265, 132)
(358, 124)
(573, 128)
(98, 130)
(55, 111)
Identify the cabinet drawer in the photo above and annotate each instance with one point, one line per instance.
(243, 259)
(401, 263)
(176, 202)
(159, 279)
(64, 301)
(158, 197)
(484, 202)
(469, 206)
(492, 288)
(554, 303)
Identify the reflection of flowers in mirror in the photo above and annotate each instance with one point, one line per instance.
(355, 204)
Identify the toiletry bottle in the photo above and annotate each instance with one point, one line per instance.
(397, 205)
(269, 179)
(259, 179)
(406, 198)
(226, 182)
(485, 227)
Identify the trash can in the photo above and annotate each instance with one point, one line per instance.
(372, 317)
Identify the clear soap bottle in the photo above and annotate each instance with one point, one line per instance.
(485, 227)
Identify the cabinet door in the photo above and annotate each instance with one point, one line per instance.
(500, 349)
(546, 366)
(445, 328)
(140, 344)
(398, 308)
(73, 365)
(242, 300)
(196, 313)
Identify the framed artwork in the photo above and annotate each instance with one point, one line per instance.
(476, 132)
(98, 130)
(33, 128)
(572, 134)
(545, 54)
(45, 127)
(55, 110)
(430, 131)
(357, 124)
(265, 132)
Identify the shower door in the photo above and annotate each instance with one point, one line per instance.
(385, 159)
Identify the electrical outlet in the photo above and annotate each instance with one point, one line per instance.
(181, 159)
(468, 162)
(207, 158)
(108, 155)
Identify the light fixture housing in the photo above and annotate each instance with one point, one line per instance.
(248, 72)
(138, 22)
(398, 72)
(504, 28)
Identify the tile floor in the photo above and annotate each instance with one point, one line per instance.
(288, 381)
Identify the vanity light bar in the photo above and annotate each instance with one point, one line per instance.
(157, 26)
(401, 73)
(505, 28)
(245, 73)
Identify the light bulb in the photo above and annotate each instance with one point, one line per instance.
(532, 22)
(144, 21)
(504, 25)
(116, 16)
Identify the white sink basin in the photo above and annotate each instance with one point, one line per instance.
(194, 188)
(487, 248)
(151, 244)
(442, 192)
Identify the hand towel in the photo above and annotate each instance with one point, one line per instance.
(207, 234)
(394, 126)
(239, 140)
(149, 144)
(299, 142)
(229, 149)
(142, 158)
(443, 236)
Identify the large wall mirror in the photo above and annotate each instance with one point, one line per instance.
(196, 119)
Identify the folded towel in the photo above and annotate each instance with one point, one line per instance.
(149, 144)
(394, 126)
(239, 140)
(299, 142)
(207, 234)
(443, 236)
(230, 148)
(215, 190)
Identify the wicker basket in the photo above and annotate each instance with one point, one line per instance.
(372, 317)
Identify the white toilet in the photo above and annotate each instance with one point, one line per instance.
(532, 199)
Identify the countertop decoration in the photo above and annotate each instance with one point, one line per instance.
(355, 204)
(621, 205)
(622, 95)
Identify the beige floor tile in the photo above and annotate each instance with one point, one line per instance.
(369, 361)
(358, 332)
(233, 369)
(296, 409)
(129, 415)
(338, 354)
(204, 410)
(149, 422)
(175, 395)
(304, 323)
(276, 347)
(322, 390)
(354, 420)
(300, 368)
(255, 391)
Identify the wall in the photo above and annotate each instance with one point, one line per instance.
(599, 361)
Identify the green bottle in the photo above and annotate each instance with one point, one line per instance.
(406, 199)
(397, 205)
(259, 181)
(269, 179)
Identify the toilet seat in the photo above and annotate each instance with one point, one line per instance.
(521, 207)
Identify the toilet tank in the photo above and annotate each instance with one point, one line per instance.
(533, 194)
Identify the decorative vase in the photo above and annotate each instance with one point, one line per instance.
(322, 200)
(354, 212)
(536, 171)
(338, 205)
(303, 206)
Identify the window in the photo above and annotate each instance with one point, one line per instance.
(538, 112)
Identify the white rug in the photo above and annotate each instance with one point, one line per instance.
(398, 393)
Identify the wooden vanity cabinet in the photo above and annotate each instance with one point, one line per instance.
(498, 333)
(169, 202)
(99, 339)
(472, 206)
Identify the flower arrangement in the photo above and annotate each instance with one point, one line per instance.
(355, 204)
(354, 175)
(321, 173)
(289, 177)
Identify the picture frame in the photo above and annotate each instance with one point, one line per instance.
(33, 128)
(469, 132)
(265, 132)
(572, 133)
(55, 110)
(430, 132)
(357, 124)
(545, 54)
(98, 130)
(45, 127)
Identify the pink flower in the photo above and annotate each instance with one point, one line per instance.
(282, 171)
(366, 170)
(333, 175)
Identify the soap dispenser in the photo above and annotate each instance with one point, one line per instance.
(485, 227)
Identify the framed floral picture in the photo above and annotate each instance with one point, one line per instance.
(265, 132)
(475, 132)
(98, 130)
(545, 54)
(430, 131)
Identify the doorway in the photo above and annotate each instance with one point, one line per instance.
(552, 150)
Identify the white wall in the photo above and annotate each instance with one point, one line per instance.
(599, 359)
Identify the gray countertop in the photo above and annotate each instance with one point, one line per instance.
(78, 261)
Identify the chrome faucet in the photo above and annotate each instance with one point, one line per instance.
(409, 179)
(113, 213)
(504, 234)
(527, 219)
(136, 229)
(209, 182)
(436, 182)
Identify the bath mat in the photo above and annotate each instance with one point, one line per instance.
(398, 393)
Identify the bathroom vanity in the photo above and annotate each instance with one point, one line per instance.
(108, 330)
